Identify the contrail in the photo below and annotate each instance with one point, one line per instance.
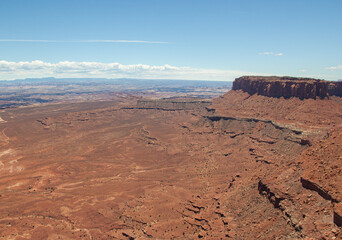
(83, 41)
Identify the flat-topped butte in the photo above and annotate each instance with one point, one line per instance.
(287, 87)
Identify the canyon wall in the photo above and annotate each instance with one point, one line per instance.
(173, 104)
(288, 87)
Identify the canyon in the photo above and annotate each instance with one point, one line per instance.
(262, 161)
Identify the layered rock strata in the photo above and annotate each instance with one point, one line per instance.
(173, 104)
(288, 87)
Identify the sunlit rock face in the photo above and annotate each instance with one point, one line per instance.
(288, 87)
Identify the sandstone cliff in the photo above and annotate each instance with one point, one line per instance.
(288, 87)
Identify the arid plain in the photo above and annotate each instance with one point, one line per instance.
(246, 166)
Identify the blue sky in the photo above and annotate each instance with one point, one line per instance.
(183, 39)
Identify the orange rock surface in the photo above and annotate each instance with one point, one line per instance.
(110, 170)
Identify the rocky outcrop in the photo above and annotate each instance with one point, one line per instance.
(216, 118)
(173, 104)
(276, 197)
(288, 87)
(315, 187)
(273, 197)
(335, 88)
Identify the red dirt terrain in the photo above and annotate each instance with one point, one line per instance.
(248, 166)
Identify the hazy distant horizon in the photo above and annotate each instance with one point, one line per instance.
(51, 78)
(111, 79)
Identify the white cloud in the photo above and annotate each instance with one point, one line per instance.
(24, 69)
(266, 53)
(81, 41)
(303, 70)
(335, 68)
(271, 53)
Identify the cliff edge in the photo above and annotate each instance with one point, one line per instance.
(288, 87)
(174, 104)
